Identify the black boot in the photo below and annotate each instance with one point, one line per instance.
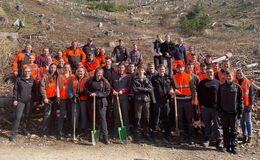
(12, 138)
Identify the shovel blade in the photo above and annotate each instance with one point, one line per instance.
(122, 134)
(94, 136)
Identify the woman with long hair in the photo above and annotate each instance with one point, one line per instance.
(48, 90)
(99, 87)
(79, 98)
(64, 81)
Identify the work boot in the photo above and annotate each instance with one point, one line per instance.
(249, 139)
(27, 133)
(137, 137)
(206, 143)
(12, 138)
(234, 151)
(244, 140)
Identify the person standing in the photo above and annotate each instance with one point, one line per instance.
(64, 81)
(202, 74)
(74, 55)
(157, 55)
(135, 56)
(42, 59)
(168, 49)
(208, 97)
(142, 87)
(90, 47)
(184, 88)
(99, 87)
(101, 57)
(120, 53)
(121, 86)
(77, 93)
(21, 59)
(248, 97)
(230, 106)
(22, 100)
(162, 85)
(48, 90)
(180, 54)
(91, 64)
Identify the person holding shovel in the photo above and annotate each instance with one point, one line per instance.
(22, 99)
(99, 87)
(79, 98)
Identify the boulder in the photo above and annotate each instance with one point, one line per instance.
(3, 20)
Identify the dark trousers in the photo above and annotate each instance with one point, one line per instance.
(157, 61)
(124, 104)
(185, 114)
(22, 110)
(131, 114)
(228, 121)
(102, 112)
(210, 115)
(49, 117)
(65, 111)
(81, 113)
(163, 109)
(142, 111)
(110, 114)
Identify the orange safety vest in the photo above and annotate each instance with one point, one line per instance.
(176, 62)
(35, 71)
(101, 60)
(75, 84)
(202, 76)
(21, 59)
(196, 67)
(91, 67)
(64, 83)
(182, 83)
(245, 89)
(188, 56)
(50, 87)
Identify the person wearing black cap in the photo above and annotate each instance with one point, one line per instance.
(120, 53)
(90, 47)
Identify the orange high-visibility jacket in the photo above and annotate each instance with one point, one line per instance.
(176, 62)
(75, 85)
(182, 83)
(50, 86)
(74, 56)
(63, 83)
(91, 67)
(202, 76)
(35, 71)
(196, 67)
(20, 60)
(245, 86)
(188, 56)
(101, 60)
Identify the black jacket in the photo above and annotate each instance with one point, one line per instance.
(120, 54)
(108, 73)
(162, 86)
(24, 89)
(230, 99)
(169, 47)
(90, 48)
(102, 90)
(142, 87)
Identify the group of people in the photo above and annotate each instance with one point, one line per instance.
(208, 95)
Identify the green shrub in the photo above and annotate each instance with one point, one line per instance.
(195, 21)
(110, 7)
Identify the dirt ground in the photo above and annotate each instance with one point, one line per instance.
(36, 148)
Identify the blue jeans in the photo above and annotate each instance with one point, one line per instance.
(167, 62)
(246, 123)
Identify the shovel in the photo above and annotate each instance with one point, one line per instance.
(94, 132)
(122, 129)
(177, 130)
(75, 140)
